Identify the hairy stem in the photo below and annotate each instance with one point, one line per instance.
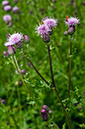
(56, 126)
(54, 87)
(69, 73)
(35, 68)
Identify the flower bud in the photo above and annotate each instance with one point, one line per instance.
(26, 39)
(71, 30)
(66, 33)
(46, 107)
(23, 71)
(11, 50)
(46, 38)
(5, 53)
(44, 115)
(20, 84)
(80, 107)
(3, 101)
(50, 112)
(54, 0)
(10, 24)
(15, 1)
(83, 2)
(19, 45)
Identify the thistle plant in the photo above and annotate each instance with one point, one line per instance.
(71, 30)
(45, 30)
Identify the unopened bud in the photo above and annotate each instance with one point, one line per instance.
(23, 71)
(83, 2)
(80, 107)
(46, 107)
(19, 45)
(26, 39)
(46, 38)
(66, 33)
(50, 112)
(71, 30)
(44, 115)
(10, 24)
(5, 53)
(11, 50)
(15, 1)
(3, 101)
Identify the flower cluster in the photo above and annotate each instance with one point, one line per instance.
(15, 39)
(45, 28)
(7, 18)
(45, 112)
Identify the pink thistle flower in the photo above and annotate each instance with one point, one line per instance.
(15, 38)
(7, 18)
(50, 22)
(5, 2)
(8, 44)
(42, 29)
(72, 21)
(7, 8)
(15, 9)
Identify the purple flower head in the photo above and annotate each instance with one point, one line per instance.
(50, 22)
(7, 18)
(42, 29)
(44, 115)
(8, 44)
(15, 38)
(7, 8)
(72, 21)
(15, 9)
(5, 2)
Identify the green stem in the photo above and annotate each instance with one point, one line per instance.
(48, 125)
(23, 81)
(16, 63)
(54, 87)
(69, 73)
(19, 105)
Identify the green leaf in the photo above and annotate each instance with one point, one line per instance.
(64, 126)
